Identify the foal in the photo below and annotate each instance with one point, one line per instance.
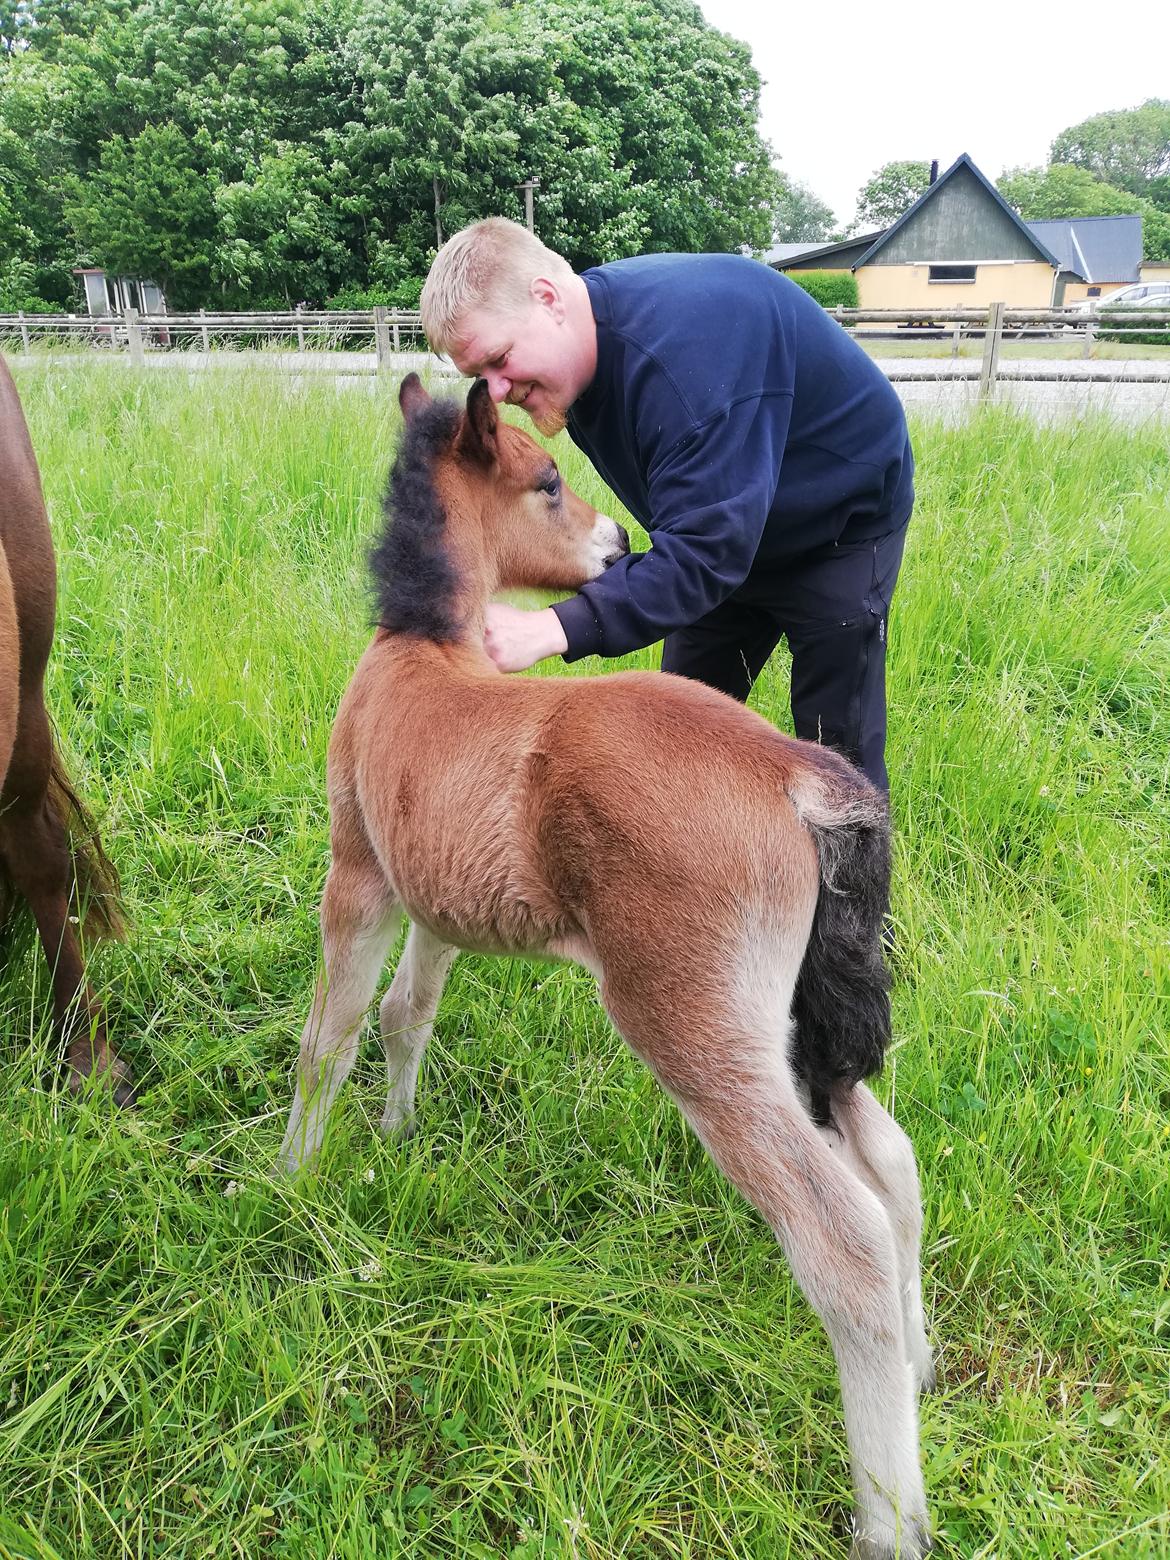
(723, 882)
(38, 807)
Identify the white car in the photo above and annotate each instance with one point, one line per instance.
(1143, 295)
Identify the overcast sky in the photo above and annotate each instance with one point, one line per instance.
(850, 86)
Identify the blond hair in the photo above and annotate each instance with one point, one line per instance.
(491, 264)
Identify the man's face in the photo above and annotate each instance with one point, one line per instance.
(526, 357)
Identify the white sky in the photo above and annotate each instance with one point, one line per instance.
(850, 86)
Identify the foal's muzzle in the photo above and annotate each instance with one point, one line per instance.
(619, 542)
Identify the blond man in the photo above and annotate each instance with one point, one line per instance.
(759, 446)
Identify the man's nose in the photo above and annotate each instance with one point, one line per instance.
(498, 385)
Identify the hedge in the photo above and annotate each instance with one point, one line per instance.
(830, 288)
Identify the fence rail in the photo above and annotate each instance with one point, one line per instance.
(388, 333)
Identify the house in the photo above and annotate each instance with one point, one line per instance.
(960, 245)
(115, 294)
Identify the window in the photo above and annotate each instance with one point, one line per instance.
(952, 273)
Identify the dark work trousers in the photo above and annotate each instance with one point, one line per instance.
(832, 606)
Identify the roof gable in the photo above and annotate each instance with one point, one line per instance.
(956, 219)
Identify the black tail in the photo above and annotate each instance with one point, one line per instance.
(841, 1007)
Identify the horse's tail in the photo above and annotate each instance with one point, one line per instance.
(97, 888)
(841, 1006)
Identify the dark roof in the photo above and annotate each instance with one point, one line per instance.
(785, 254)
(962, 161)
(1097, 249)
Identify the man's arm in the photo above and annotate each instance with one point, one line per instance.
(710, 496)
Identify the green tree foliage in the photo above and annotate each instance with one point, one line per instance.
(893, 189)
(799, 216)
(147, 210)
(1127, 148)
(264, 151)
(1062, 190)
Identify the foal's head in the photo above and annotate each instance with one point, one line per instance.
(475, 506)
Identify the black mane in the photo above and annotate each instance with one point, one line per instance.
(414, 581)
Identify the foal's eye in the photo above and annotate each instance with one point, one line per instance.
(552, 486)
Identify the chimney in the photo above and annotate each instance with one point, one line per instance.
(934, 170)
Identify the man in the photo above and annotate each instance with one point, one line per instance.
(759, 446)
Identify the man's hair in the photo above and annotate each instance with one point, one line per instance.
(490, 264)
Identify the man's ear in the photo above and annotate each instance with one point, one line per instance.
(412, 397)
(479, 437)
(547, 294)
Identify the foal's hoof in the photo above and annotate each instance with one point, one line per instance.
(912, 1543)
(397, 1128)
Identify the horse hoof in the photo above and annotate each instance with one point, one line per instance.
(115, 1076)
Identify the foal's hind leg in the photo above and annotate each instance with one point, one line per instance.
(34, 847)
(360, 917)
(736, 1091)
(407, 1018)
(879, 1152)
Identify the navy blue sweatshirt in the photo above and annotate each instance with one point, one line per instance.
(739, 424)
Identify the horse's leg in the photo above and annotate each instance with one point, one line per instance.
(407, 1018)
(879, 1152)
(34, 846)
(360, 917)
(733, 1083)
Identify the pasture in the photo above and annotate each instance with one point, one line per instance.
(546, 1326)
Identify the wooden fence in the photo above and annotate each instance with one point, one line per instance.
(387, 334)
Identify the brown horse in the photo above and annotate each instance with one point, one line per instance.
(724, 883)
(40, 815)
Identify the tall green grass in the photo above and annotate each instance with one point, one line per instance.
(546, 1327)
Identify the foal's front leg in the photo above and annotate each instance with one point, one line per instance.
(407, 1018)
(360, 917)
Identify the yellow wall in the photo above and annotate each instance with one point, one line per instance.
(1155, 271)
(1075, 291)
(1021, 284)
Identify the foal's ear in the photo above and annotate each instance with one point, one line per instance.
(412, 397)
(479, 439)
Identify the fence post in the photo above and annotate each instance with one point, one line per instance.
(300, 331)
(1090, 336)
(991, 341)
(381, 336)
(134, 338)
(23, 331)
(397, 339)
(955, 338)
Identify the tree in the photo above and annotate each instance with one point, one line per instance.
(281, 241)
(799, 216)
(147, 210)
(273, 149)
(1127, 148)
(1062, 191)
(893, 189)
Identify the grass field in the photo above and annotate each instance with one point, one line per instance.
(546, 1327)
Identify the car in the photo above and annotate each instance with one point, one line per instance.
(1139, 295)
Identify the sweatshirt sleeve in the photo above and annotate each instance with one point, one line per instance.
(709, 494)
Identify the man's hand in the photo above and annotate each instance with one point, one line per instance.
(516, 639)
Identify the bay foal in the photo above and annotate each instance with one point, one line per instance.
(723, 882)
(38, 806)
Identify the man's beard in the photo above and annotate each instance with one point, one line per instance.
(549, 422)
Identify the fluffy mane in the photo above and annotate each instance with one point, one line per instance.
(414, 581)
